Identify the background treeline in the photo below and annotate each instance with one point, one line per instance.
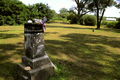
(13, 12)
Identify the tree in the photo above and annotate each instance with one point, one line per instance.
(118, 4)
(82, 7)
(54, 13)
(63, 12)
(15, 12)
(5, 10)
(39, 10)
(72, 11)
(99, 7)
(20, 12)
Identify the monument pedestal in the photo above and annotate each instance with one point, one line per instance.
(41, 67)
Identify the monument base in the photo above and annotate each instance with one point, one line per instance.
(43, 71)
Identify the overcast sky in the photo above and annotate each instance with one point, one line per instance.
(58, 4)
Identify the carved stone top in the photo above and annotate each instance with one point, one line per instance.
(33, 28)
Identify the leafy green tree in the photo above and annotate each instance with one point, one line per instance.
(71, 11)
(2, 20)
(15, 12)
(4, 10)
(54, 13)
(82, 7)
(63, 12)
(9, 20)
(64, 15)
(90, 20)
(73, 19)
(39, 10)
(99, 7)
(81, 20)
(20, 12)
(49, 13)
(4, 7)
(118, 4)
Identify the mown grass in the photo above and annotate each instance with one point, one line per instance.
(77, 52)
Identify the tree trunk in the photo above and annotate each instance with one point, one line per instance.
(98, 25)
(78, 13)
(102, 15)
(98, 22)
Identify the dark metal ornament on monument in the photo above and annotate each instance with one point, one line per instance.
(36, 65)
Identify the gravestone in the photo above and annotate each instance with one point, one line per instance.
(36, 64)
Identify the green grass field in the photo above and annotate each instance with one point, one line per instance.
(77, 52)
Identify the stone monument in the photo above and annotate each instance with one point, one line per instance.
(35, 65)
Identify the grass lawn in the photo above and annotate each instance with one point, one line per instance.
(77, 52)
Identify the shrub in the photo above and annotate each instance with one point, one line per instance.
(117, 25)
(112, 24)
(9, 20)
(60, 19)
(64, 20)
(1, 20)
(90, 20)
(73, 18)
(19, 20)
(81, 20)
(104, 22)
(118, 19)
(63, 15)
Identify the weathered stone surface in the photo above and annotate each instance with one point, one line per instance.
(34, 45)
(42, 73)
(37, 62)
(34, 41)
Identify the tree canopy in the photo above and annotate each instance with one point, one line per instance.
(82, 7)
(15, 12)
(118, 4)
(63, 12)
(99, 7)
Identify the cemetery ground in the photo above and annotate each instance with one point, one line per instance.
(77, 52)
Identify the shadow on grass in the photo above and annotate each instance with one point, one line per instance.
(92, 60)
(71, 27)
(6, 36)
(8, 65)
(4, 31)
(61, 22)
(48, 33)
(111, 30)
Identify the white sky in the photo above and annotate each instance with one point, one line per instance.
(58, 4)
